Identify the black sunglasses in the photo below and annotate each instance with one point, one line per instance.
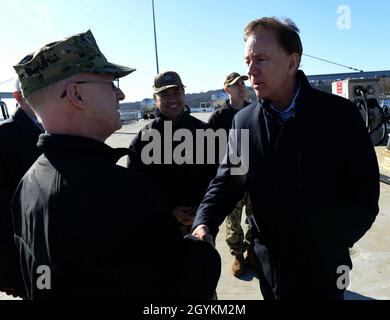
(114, 84)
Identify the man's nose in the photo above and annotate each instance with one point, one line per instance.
(251, 69)
(120, 95)
(172, 98)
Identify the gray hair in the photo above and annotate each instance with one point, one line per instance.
(286, 31)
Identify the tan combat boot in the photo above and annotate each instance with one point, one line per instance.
(251, 261)
(238, 265)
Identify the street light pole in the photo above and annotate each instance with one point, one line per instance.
(155, 37)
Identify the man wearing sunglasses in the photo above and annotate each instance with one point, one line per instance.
(74, 231)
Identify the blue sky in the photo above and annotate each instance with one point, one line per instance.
(200, 39)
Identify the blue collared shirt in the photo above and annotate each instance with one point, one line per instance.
(290, 111)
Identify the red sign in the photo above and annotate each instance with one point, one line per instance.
(339, 87)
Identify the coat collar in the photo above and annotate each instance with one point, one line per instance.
(80, 145)
(186, 114)
(304, 95)
(27, 125)
(229, 106)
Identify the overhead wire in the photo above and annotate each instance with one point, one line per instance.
(335, 63)
(5, 81)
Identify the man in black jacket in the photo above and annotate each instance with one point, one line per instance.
(77, 215)
(313, 175)
(182, 180)
(19, 137)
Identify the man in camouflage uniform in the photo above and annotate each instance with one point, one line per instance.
(237, 238)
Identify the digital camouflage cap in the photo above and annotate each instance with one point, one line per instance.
(62, 59)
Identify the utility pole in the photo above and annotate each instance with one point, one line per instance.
(155, 37)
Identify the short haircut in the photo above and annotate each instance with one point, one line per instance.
(50, 93)
(286, 31)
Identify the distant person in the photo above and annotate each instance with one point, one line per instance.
(77, 214)
(182, 185)
(237, 239)
(19, 136)
(312, 173)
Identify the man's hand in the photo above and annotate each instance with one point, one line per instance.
(185, 215)
(201, 232)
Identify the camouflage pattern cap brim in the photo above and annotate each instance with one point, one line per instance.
(62, 59)
(115, 69)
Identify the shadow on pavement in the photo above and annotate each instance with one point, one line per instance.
(248, 275)
(349, 295)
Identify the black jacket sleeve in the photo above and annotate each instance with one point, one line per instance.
(225, 190)
(211, 122)
(5, 202)
(363, 175)
(346, 218)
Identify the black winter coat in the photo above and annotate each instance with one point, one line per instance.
(314, 185)
(18, 151)
(181, 184)
(223, 117)
(97, 226)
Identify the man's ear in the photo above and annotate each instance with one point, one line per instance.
(226, 89)
(73, 95)
(293, 64)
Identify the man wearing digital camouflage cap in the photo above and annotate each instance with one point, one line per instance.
(73, 229)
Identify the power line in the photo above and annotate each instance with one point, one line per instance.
(337, 64)
(7, 80)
